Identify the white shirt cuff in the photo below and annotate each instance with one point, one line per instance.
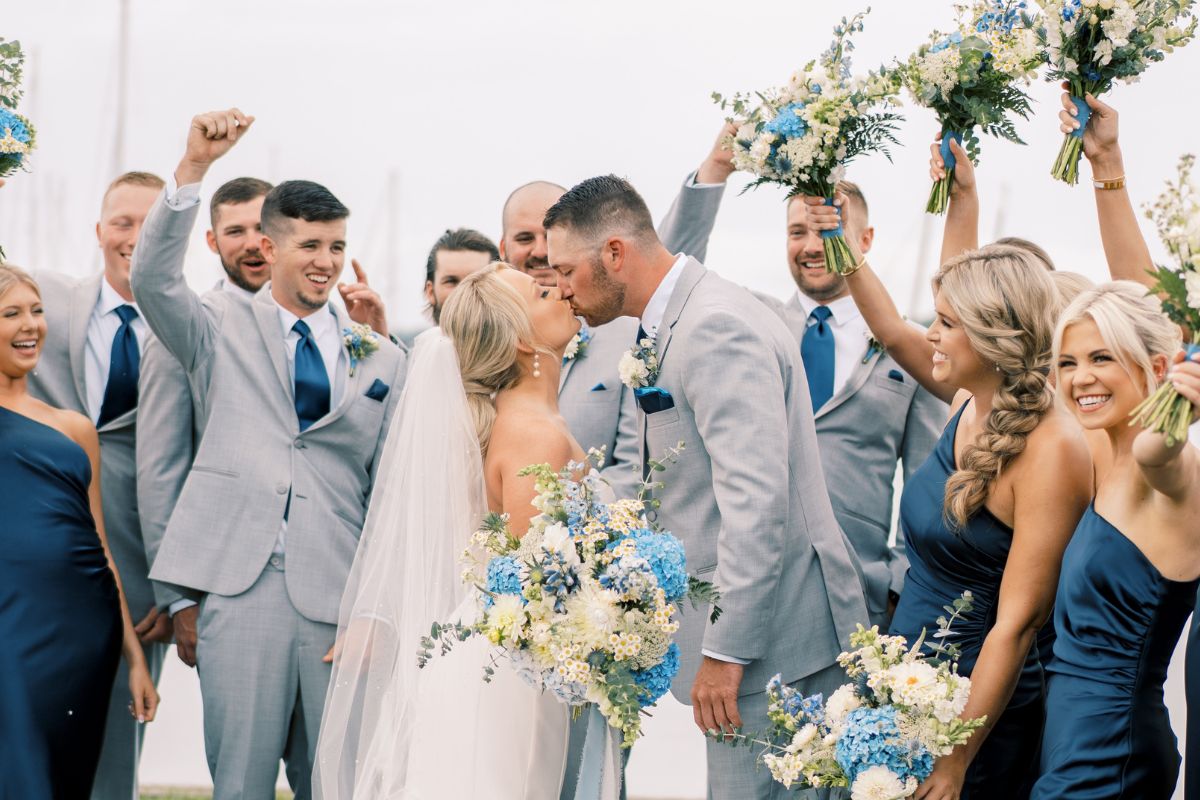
(725, 658)
(179, 605)
(181, 198)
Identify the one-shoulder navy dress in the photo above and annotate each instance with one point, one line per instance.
(60, 616)
(943, 563)
(1118, 621)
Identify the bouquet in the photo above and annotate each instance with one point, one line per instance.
(803, 134)
(584, 605)
(1091, 43)
(880, 734)
(971, 77)
(17, 136)
(1176, 214)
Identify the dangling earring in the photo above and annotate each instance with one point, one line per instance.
(537, 366)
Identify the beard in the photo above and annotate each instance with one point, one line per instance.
(827, 287)
(609, 302)
(237, 277)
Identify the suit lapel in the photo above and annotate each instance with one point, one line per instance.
(267, 317)
(693, 271)
(566, 370)
(350, 392)
(862, 370)
(84, 296)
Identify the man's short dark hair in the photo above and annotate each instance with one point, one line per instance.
(457, 240)
(600, 207)
(236, 192)
(304, 200)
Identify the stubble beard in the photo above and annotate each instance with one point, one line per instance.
(821, 293)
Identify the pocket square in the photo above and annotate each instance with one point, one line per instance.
(599, 387)
(378, 390)
(896, 375)
(652, 399)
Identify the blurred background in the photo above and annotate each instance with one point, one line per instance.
(423, 116)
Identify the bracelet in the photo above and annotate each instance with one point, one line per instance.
(855, 268)
(1110, 183)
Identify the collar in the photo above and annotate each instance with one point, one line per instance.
(656, 309)
(319, 322)
(227, 285)
(841, 310)
(110, 301)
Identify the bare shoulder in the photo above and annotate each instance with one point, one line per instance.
(1058, 443)
(521, 437)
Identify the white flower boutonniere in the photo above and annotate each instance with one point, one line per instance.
(639, 365)
(577, 347)
(361, 342)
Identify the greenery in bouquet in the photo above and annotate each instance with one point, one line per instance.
(1091, 43)
(17, 136)
(880, 734)
(803, 135)
(972, 78)
(585, 604)
(1176, 215)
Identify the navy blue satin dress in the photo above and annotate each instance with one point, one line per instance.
(943, 563)
(60, 616)
(1118, 621)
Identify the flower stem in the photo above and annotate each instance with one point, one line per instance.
(1066, 166)
(939, 195)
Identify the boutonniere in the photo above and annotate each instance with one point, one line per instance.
(639, 365)
(873, 346)
(361, 342)
(577, 347)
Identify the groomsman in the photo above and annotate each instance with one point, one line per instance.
(273, 505)
(455, 255)
(90, 364)
(870, 415)
(746, 494)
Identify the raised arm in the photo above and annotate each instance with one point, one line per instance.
(961, 231)
(689, 222)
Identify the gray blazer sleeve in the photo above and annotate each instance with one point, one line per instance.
(172, 310)
(924, 424)
(689, 222)
(164, 451)
(622, 471)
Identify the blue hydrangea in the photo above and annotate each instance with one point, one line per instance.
(954, 38)
(16, 127)
(872, 738)
(666, 557)
(504, 576)
(656, 681)
(788, 123)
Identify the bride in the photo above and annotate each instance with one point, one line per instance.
(480, 402)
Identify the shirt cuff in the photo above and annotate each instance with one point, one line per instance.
(181, 198)
(725, 658)
(179, 605)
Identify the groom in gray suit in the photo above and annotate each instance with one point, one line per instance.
(90, 364)
(270, 515)
(746, 495)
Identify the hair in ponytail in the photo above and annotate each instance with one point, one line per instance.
(1007, 306)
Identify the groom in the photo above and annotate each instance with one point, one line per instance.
(746, 495)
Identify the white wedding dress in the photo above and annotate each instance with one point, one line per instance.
(391, 731)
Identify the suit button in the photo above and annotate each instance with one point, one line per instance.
(299, 444)
(281, 488)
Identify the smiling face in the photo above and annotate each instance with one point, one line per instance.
(554, 323)
(22, 330)
(524, 243)
(955, 361)
(806, 250)
(236, 238)
(305, 259)
(1092, 381)
(121, 216)
(452, 266)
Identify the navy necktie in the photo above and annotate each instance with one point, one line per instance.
(124, 365)
(641, 334)
(312, 382)
(817, 350)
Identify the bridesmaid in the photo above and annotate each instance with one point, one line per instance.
(63, 620)
(1130, 574)
(993, 507)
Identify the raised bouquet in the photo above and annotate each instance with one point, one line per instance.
(972, 78)
(803, 135)
(880, 734)
(1176, 214)
(17, 136)
(1092, 43)
(585, 605)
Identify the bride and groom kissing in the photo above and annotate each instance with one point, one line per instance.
(366, 472)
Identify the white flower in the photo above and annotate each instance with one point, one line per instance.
(880, 783)
(803, 738)
(633, 371)
(572, 348)
(1192, 281)
(912, 684)
(841, 703)
(1107, 4)
(784, 769)
(557, 539)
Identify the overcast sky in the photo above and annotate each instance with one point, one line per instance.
(448, 106)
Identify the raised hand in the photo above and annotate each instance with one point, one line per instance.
(1100, 137)
(363, 304)
(964, 170)
(210, 136)
(718, 165)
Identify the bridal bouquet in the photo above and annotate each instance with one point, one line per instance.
(1091, 43)
(1176, 214)
(972, 78)
(878, 735)
(17, 136)
(584, 605)
(803, 134)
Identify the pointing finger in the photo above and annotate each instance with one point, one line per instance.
(358, 271)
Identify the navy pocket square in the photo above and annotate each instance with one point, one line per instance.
(378, 390)
(896, 375)
(652, 399)
(599, 387)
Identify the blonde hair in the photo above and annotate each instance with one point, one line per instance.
(1006, 304)
(1033, 249)
(1070, 285)
(486, 320)
(1131, 323)
(10, 276)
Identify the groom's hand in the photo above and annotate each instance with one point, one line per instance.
(363, 304)
(718, 166)
(715, 694)
(185, 634)
(210, 136)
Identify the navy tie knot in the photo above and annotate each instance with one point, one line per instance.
(301, 327)
(127, 313)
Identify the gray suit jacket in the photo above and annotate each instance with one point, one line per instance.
(59, 381)
(747, 494)
(253, 456)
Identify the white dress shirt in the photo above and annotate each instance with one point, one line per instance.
(850, 335)
(102, 328)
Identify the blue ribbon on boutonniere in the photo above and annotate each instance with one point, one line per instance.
(873, 347)
(361, 342)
